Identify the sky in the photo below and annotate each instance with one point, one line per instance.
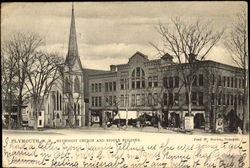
(111, 32)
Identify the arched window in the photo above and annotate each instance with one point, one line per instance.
(76, 85)
(57, 116)
(67, 85)
(57, 100)
(79, 109)
(138, 78)
(60, 105)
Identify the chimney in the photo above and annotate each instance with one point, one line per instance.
(112, 68)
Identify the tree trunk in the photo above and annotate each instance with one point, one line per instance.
(35, 115)
(189, 103)
(19, 112)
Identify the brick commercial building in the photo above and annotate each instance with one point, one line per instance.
(149, 90)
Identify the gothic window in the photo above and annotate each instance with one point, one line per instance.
(67, 85)
(77, 85)
(79, 109)
(60, 102)
(57, 100)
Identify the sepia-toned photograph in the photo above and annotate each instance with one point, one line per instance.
(159, 84)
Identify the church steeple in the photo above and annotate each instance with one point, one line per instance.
(72, 55)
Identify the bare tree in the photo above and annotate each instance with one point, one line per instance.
(237, 45)
(42, 72)
(8, 83)
(20, 47)
(188, 43)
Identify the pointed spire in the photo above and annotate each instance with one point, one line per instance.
(72, 48)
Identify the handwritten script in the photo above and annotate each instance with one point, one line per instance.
(126, 152)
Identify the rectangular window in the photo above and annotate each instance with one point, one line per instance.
(219, 80)
(194, 80)
(122, 84)
(40, 113)
(223, 99)
(96, 87)
(96, 101)
(114, 100)
(155, 99)
(176, 81)
(106, 87)
(149, 81)
(232, 99)
(114, 86)
(126, 100)
(228, 99)
(143, 99)
(100, 87)
(212, 99)
(165, 82)
(100, 101)
(219, 99)
(171, 82)
(122, 100)
(138, 84)
(228, 81)
(133, 84)
(235, 100)
(107, 101)
(133, 100)
(110, 86)
(170, 99)
(194, 98)
(236, 83)
(200, 98)
(127, 83)
(239, 100)
(40, 122)
(201, 80)
(150, 99)
(143, 83)
(93, 101)
(232, 82)
(165, 99)
(138, 100)
(224, 81)
(93, 87)
(155, 81)
(240, 83)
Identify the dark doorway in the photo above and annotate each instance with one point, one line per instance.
(199, 121)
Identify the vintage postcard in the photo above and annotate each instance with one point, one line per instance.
(125, 84)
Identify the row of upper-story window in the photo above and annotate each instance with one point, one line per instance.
(96, 101)
(150, 99)
(227, 81)
(138, 83)
(109, 87)
(226, 99)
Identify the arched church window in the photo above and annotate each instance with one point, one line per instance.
(67, 85)
(60, 105)
(57, 100)
(77, 85)
(138, 78)
(79, 109)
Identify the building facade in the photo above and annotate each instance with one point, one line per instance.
(150, 90)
